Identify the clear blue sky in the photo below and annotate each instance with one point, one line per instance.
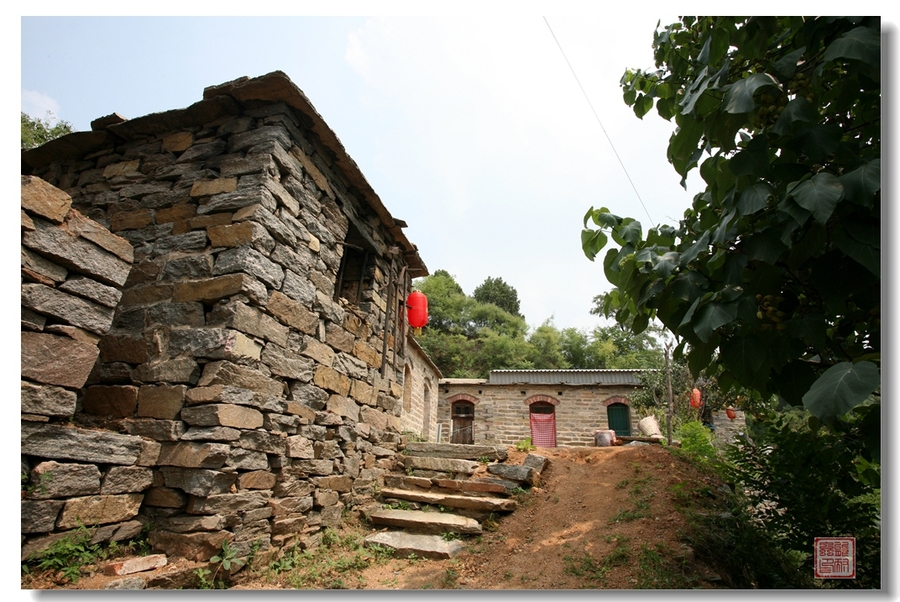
(472, 129)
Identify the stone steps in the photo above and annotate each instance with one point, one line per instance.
(408, 544)
(426, 522)
(488, 504)
(494, 453)
(441, 474)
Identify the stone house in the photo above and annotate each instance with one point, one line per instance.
(552, 407)
(214, 341)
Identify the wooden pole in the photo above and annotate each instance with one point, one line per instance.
(671, 409)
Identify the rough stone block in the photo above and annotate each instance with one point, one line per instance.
(213, 433)
(250, 321)
(44, 199)
(177, 370)
(67, 308)
(197, 481)
(320, 352)
(222, 415)
(47, 400)
(133, 349)
(198, 547)
(40, 516)
(227, 373)
(257, 479)
(290, 505)
(300, 447)
(287, 363)
(126, 479)
(76, 253)
(115, 401)
(213, 343)
(193, 455)
(130, 220)
(161, 401)
(342, 406)
(164, 497)
(220, 394)
(55, 480)
(93, 291)
(246, 459)
(263, 442)
(188, 524)
(90, 230)
(292, 313)
(41, 269)
(99, 510)
(249, 261)
(135, 565)
(211, 187)
(158, 430)
(332, 380)
(228, 503)
(210, 289)
(56, 360)
(61, 442)
(522, 474)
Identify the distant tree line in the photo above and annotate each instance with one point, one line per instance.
(468, 336)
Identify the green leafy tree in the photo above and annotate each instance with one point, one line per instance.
(772, 278)
(498, 292)
(546, 351)
(37, 131)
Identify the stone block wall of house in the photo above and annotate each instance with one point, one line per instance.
(501, 412)
(420, 394)
(248, 388)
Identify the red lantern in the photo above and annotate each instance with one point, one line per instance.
(729, 411)
(695, 398)
(417, 310)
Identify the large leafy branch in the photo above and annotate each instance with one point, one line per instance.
(772, 277)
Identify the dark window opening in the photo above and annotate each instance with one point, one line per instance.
(541, 407)
(356, 274)
(464, 409)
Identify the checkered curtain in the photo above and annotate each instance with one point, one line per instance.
(543, 430)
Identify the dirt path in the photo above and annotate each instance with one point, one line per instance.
(601, 518)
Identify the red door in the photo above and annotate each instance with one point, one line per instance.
(543, 425)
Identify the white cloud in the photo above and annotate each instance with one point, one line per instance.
(37, 105)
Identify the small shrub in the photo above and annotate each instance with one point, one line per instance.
(525, 445)
(696, 440)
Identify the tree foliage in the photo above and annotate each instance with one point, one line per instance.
(501, 294)
(772, 278)
(37, 131)
(816, 485)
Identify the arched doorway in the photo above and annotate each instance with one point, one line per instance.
(462, 414)
(618, 417)
(542, 420)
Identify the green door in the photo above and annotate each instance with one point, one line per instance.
(619, 420)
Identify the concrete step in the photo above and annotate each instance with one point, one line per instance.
(453, 501)
(457, 451)
(424, 546)
(425, 522)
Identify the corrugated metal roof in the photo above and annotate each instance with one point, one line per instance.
(565, 377)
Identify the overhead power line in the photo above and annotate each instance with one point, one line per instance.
(597, 117)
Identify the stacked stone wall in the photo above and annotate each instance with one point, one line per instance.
(502, 414)
(73, 270)
(244, 398)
